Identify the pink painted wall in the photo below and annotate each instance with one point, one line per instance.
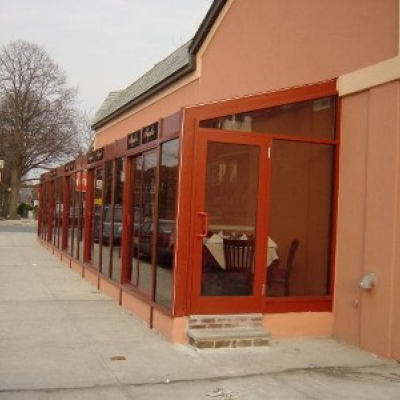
(369, 221)
(295, 325)
(350, 240)
(268, 44)
(263, 45)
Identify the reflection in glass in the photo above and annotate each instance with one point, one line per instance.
(312, 119)
(48, 194)
(231, 203)
(44, 212)
(147, 227)
(106, 220)
(71, 216)
(97, 216)
(167, 192)
(136, 214)
(77, 213)
(42, 209)
(117, 228)
(143, 184)
(54, 216)
(80, 196)
(58, 195)
(50, 212)
(60, 212)
(300, 218)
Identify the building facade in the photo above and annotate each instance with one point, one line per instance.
(254, 170)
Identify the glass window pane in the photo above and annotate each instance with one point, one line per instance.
(43, 200)
(313, 119)
(118, 204)
(51, 206)
(136, 213)
(167, 191)
(97, 212)
(300, 218)
(143, 186)
(58, 213)
(107, 219)
(77, 214)
(231, 203)
(81, 176)
(54, 216)
(71, 221)
(147, 228)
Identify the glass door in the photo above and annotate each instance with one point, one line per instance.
(230, 223)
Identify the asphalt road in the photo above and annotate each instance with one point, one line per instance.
(25, 226)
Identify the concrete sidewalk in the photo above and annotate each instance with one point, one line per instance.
(60, 338)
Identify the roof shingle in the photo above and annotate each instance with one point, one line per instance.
(179, 59)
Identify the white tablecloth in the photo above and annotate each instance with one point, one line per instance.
(215, 245)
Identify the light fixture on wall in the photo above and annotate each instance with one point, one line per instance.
(368, 281)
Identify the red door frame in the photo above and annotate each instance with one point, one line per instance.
(229, 304)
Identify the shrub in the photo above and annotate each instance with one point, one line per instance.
(23, 209)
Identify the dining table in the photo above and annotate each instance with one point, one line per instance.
(215, 245)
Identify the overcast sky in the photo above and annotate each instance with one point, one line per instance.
(102, 45)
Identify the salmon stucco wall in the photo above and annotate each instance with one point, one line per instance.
(369, 221)
(264, 45)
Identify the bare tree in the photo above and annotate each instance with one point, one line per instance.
(86, 133)
(39, 123)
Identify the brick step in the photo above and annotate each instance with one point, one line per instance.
(236, 337)
(225, 321)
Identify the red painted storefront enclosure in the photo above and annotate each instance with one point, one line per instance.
(137, 215)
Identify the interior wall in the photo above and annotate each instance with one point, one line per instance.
(369, 221)
(300, 208)
(232, 187)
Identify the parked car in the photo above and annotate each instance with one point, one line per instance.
(107, 231)
(143, 239)
(96, 223)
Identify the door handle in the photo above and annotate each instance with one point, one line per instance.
(203, 215)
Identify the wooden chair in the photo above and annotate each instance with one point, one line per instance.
(239, 267)
(239, 255)
(281, 275)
